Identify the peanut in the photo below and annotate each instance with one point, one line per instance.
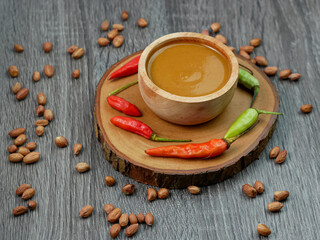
(249, 190)
(124, 15)
(215, 27)
(142, 22)
(307, 108)
(13, 71)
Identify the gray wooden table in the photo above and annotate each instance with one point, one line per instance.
(290, 39)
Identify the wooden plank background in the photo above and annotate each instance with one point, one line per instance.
(290, 39)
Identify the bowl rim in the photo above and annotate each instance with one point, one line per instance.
(223, 49)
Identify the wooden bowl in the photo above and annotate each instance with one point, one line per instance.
(186, 110)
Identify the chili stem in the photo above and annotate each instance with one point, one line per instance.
(123, 88)
(155, 138)
(266, 112)
(255, 93)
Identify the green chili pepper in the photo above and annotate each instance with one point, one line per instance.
(245, 121)
(250, 82)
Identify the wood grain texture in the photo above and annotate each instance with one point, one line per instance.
(126, 151)
(290, 38)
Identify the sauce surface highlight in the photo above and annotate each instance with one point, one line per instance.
(188, 69)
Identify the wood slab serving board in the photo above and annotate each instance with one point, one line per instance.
(125, 150)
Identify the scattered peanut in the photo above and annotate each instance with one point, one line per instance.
(163, 193)
(22, 188)
(104, 26)
(262, 61)
(128, 189)
(16, 87)
(47, 46)
(108, 208)
(40, 110)
(31, 146)
(133, 218)
(275, 206)
(13, 71)
(152, 194)
(32, 205)
(24, 151)
(48, 115)
(28, 193)
(194, 190)
(109, 180)
(294, 76)
(281, 195)
(215, 27)
(86, 211)
(61, 141)
(72, 48)
(41, 98)
(103, 42)
(118, 26)
(124, 15)
(258, 185)
(20, 140)
(76, 73)
(78, 53)
(281, 157)
(142, 22)
(132, 229)
(48, 70)
(41, 122)
(248, 49)
(40, 130)
(118, 41)
(149, 219)
(307, 108)
(15, 157)
(285, 73)
(205, 32)
(124, 220)
(31, 158)
(249, 190)
(141, 218)
(112, 34)
(36, 76)
(253, 61)
(221, 38)
(16, 132)
(77, 148)
(255, 42)
(82, 167)
(245, 54)
(19, 210)
(115, 230)
(274, 152)
(263, 230)
(114, 215)
(270, 71)
(22, 94)
(18, 48)
(12, 148)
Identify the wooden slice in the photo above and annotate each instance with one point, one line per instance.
(125, 150)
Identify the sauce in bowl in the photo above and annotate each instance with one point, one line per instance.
(188, 69)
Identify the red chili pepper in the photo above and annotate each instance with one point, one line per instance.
(209, 149)
(123, 105)
(214, 147)
(135, 126)
(127, 69)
